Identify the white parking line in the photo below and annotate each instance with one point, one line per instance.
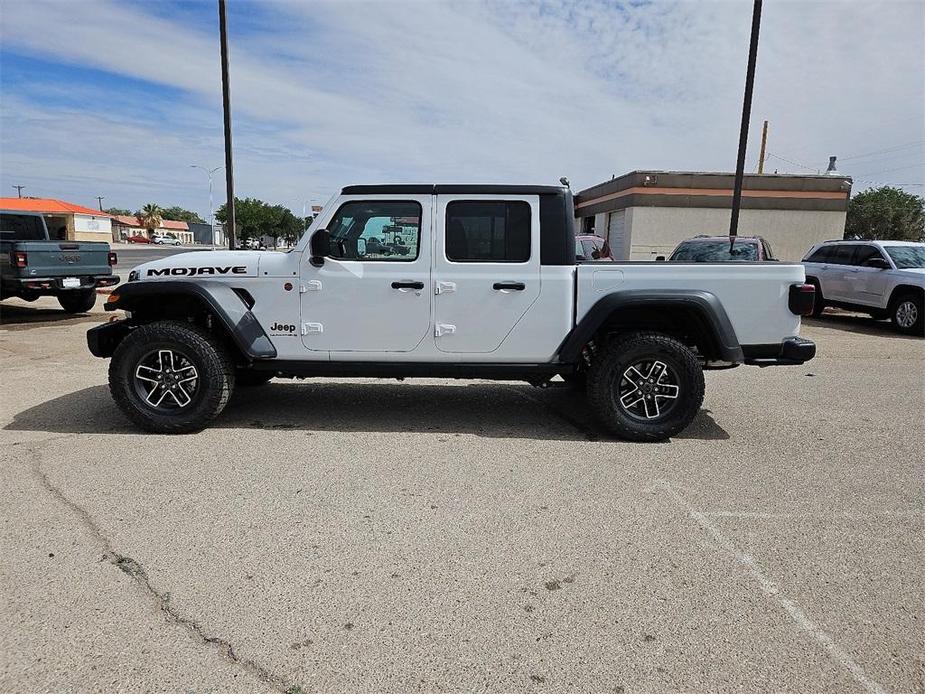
(770, 588)
(850, 515)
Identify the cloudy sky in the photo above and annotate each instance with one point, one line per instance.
(118, 98)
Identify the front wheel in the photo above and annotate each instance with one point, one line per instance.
(77, 300)
(906, 314)
(171, 378)
(646, 386)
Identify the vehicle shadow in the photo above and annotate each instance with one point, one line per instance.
(19, 316)
(482, 409)
(856, 323)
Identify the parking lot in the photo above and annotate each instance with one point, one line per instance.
(375, 536)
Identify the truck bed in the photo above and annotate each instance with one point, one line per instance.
(753, 295)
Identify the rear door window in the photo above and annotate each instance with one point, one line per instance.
(21, 227)
(488, 231)
(843, 254)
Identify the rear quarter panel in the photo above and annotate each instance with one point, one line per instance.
(754, 295)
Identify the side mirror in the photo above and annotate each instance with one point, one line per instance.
(659, 259)
(878, 263)
(320, 247)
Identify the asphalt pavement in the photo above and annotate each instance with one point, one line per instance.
(443, 536)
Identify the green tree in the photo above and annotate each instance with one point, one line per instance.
(150, 217)
(886, 213)
(255, 218)
(179, 214)
(119, 211)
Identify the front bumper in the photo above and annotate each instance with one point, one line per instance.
(791, 352)
(103, 339)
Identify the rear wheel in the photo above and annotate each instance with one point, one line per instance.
(171, 378)
(906, 314)
(646, 386)
(77, 300)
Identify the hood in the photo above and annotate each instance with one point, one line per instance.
(200, 264)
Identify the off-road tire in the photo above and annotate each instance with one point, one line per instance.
(77, 300)
(215, 368)
(249, 378)
(607, 371)
(819, 302)
(903, 300)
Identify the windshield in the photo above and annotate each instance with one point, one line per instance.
(715, 251)
(905, 257)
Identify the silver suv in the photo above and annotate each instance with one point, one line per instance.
(883, 278)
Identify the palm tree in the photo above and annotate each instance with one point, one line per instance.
(151, 216)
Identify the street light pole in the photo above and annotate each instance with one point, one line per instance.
(209, 173)
(746, 115)
(226, 108)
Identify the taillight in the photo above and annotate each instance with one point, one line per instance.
(113, 258)
(18, 259)
(802, 298)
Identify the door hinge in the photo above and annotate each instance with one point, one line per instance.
(444, 329)
(310, 286)
(444, 287)
(312, 328)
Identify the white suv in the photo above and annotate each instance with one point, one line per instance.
(883, 278)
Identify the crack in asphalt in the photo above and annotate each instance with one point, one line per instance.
(137, 572)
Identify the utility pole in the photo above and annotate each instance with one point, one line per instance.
(19, 190)
(764, 144)
(746, 115)
(100, 199)
(226, 107)
(209, 173)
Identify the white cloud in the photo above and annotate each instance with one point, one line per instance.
(346, 92)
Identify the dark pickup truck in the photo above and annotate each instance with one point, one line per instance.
(32, 265)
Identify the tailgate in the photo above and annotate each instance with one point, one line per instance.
(64, 258)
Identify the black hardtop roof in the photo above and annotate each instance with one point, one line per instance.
(452, 188)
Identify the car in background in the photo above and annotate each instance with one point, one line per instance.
(137, 238)
(166, 241)
(591, 247)
(34, 265)
(721, 249)
(883, 278)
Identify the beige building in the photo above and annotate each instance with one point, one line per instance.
(124, 226)
(65, 220)
(644, 214)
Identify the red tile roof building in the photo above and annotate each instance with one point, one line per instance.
(65, 219)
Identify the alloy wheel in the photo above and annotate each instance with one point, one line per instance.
(648, 389)
(906, 314)
(166, 380)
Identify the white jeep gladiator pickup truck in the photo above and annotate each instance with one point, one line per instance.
(449, 281)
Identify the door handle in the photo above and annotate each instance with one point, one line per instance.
(407, 285)
(516, 286)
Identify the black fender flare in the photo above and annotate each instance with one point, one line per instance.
(219, 298)
(704, 304)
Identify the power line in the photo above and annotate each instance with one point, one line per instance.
(795, 163)
(898, 168)
(887, 150)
